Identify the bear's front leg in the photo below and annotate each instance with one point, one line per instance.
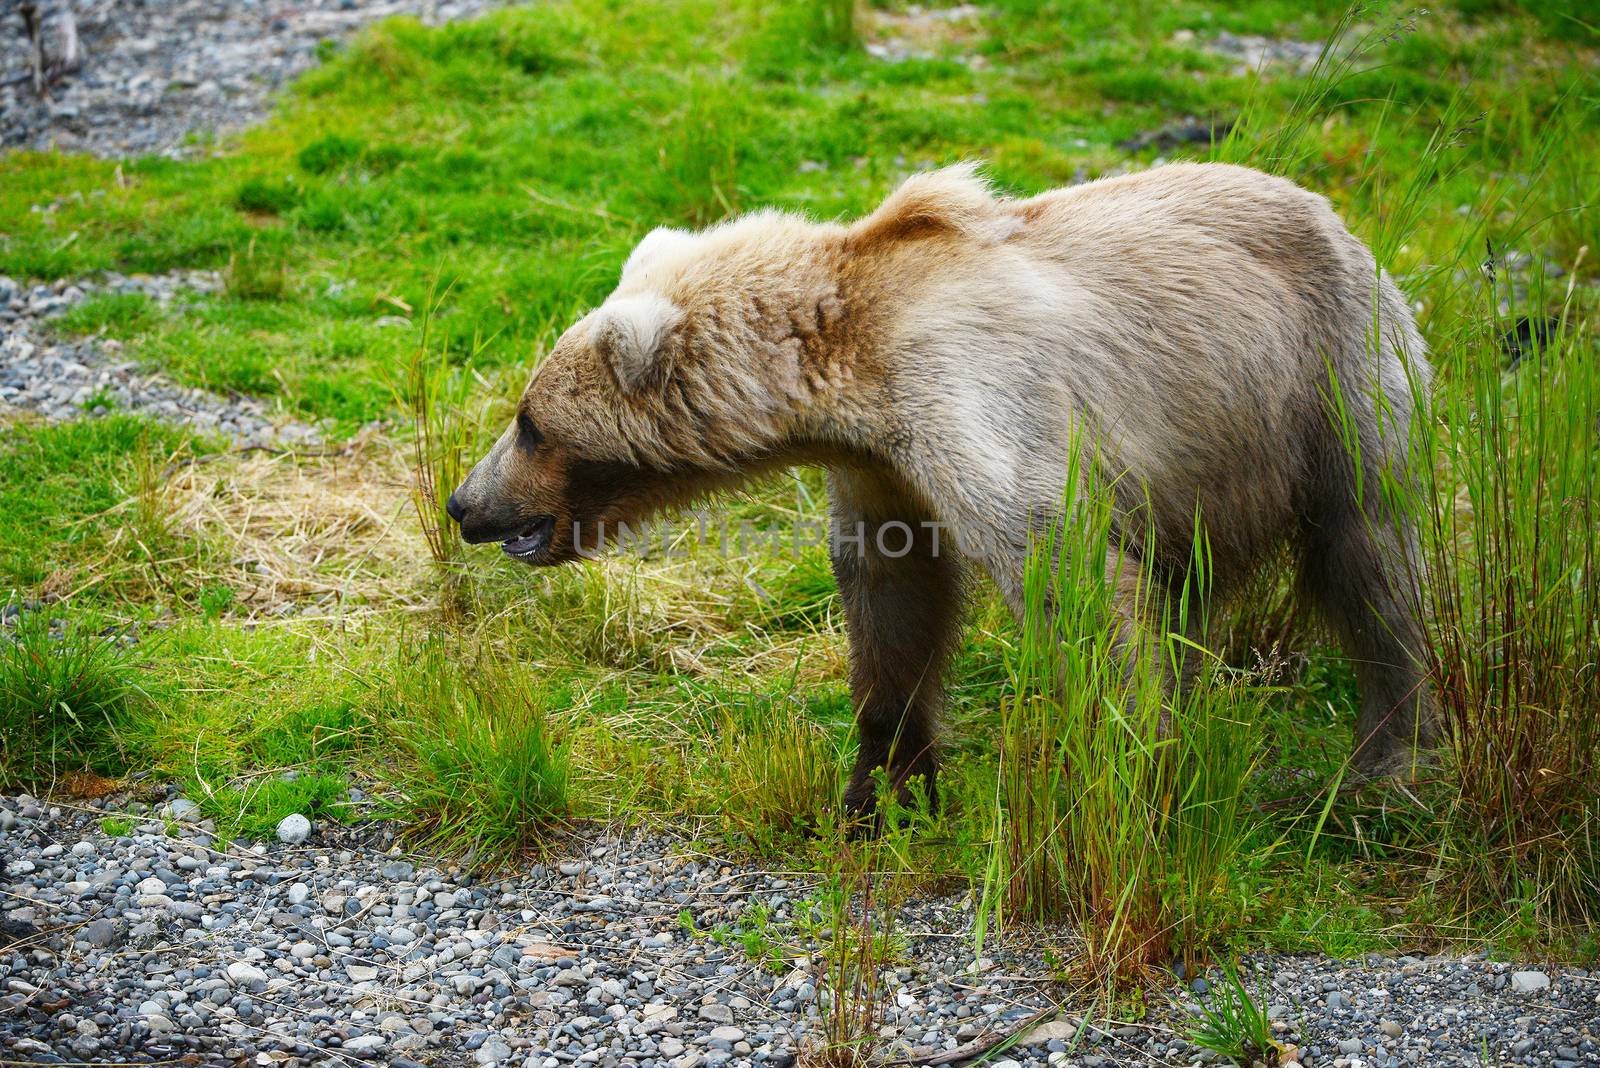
(901, 585)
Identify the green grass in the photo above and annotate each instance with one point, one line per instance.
(1232, 1019)
(252, 810)
(429, 208)
(65, 702)
(72, 487)
(1117, 806)
(481, 768)
(116, 826)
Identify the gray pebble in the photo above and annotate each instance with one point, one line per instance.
(294, 829)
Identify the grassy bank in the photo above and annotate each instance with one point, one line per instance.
(486, 180)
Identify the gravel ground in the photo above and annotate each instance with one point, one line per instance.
(338, 950)
(1254, 53)
(67, 379)
(159, 77)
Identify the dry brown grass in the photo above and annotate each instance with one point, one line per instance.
(331, 528)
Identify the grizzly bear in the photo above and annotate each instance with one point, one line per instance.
(939, 356)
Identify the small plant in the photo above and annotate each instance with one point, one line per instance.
(781, 768)
(100, 401)
(698, 180)
(482, 772)
(107, 313)
(757, 934)
(116, 826)
(63, 701)
(216, 599)
(444, 436)
(833, 24)
(853, 964)
(854, 914)
(150, 517)
(1232, 1023)
(256, 273)
(330, 153)
(265, 196)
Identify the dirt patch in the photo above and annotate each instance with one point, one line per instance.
(923, 33)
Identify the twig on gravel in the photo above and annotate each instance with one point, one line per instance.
(978, 1046)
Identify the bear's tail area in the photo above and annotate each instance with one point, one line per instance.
(955, 200)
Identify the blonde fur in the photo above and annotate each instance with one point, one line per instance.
(629, 333)
(941, 355)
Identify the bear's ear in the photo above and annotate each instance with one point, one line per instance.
(657, 243)
(630, 334)
(954, 200)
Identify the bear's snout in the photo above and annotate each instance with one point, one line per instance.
(522, 537)
(481, 525)
(478, 523)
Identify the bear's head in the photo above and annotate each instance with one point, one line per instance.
(701, 369)
(760, 343)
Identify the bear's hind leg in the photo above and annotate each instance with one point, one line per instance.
(1356, 572)
(901, 588)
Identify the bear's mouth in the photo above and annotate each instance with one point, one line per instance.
(533, 541)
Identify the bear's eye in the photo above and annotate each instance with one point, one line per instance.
(528, 435)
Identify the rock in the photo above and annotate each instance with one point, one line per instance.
(716, 1013)
(181, 808)
(1050, 1031)
(1529, 982)
(294, 829)
(364, 1044)
(246, 975)
(100, 933)
(494, 1051)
